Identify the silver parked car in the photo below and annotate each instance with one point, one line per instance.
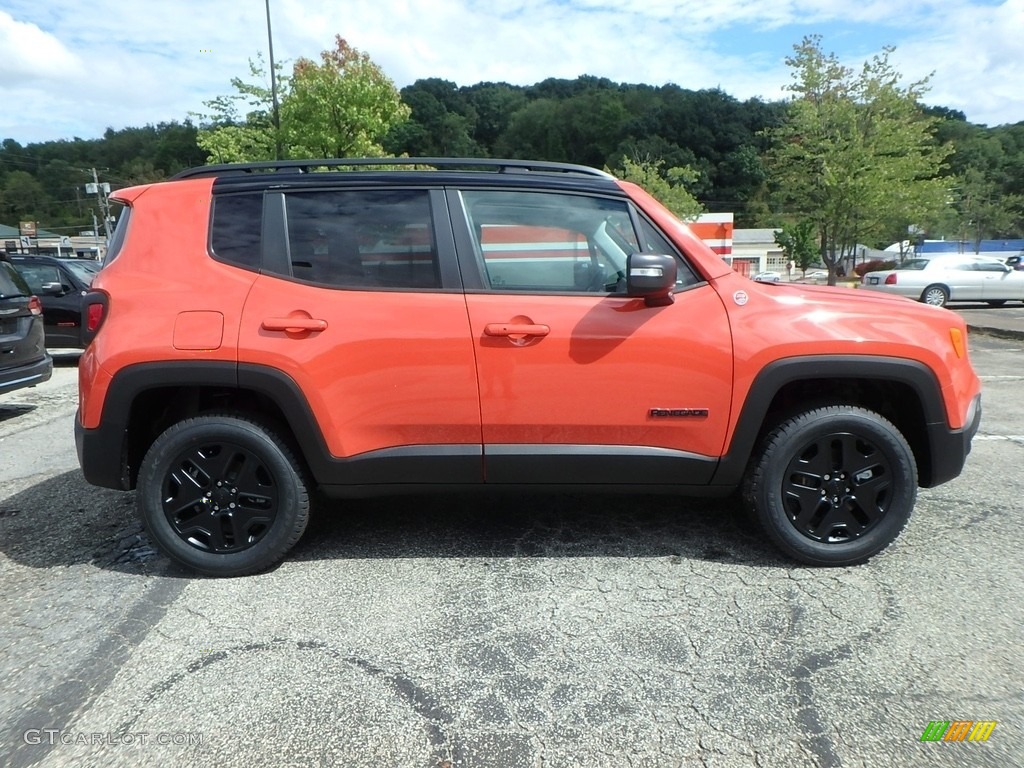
(953, 277)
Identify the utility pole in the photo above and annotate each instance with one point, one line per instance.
(101, 191)
(273, 90)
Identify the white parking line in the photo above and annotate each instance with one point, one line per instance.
(1011, 438)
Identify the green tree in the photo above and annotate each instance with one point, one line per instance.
(856, 152)
(23, 198)
(799, 243)
(240, 126)
(342, 107)
(983, 210)
(668, 186)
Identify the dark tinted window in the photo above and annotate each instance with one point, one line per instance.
(363, 238)
(235, 232)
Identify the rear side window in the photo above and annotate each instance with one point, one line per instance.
(363, 238)
(235, 231)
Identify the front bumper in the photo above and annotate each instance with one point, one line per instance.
(950, 447)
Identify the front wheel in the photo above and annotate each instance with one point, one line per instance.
(935, 295)
(222, 495)
(833, 486)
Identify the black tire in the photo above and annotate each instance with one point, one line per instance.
(222, 495)
(935, 295)
(832, 486)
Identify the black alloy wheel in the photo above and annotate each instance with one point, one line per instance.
(837, 487)
(222, 495)
(833, 485)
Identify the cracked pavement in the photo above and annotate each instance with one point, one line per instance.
(508, 630)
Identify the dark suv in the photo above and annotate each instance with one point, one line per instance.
(23, 358)
(61, 285)
(266, 330)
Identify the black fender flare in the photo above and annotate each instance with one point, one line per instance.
(912, 373)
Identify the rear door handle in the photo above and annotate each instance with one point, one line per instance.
(294, 324)
(516, 329)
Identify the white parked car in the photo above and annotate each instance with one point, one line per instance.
(767, 277)
(953, 277)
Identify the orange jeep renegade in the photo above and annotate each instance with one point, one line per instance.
(264, 330)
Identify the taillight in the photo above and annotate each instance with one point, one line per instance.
(35, 306)
(94, 317)
(890, 279)
(94, 312)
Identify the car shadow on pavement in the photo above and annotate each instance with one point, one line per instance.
(13, 410)
(64, 521)
(516, 525)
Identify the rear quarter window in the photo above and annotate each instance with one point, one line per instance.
(235, 229)
(118, 238)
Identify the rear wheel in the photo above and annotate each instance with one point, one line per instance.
(936, 295)
(833, 485)
(222, 495)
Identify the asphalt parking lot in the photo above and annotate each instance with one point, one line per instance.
(510, 631)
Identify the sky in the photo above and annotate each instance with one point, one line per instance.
(70, 68)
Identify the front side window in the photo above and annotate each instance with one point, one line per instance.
(36, 275)
(555, 242)
(363, 238)
(991, 266)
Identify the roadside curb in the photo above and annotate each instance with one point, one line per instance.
(1002, 333)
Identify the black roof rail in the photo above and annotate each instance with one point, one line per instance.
(466, 163)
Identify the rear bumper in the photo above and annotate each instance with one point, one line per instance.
(100, 455)
(950, 447)
(26, 375)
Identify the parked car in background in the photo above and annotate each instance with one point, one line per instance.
(23, 358)
(60, 285)
(767, 277)
(953, 277)
(1016, 262)
(818, 274)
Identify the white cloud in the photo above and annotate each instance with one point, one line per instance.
(31, 55)
(113, 63)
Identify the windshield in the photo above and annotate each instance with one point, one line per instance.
(83, 270)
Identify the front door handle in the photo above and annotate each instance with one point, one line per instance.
(294, 324)
(516, 330)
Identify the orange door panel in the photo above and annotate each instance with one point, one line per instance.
(380, 369)
(604, 371)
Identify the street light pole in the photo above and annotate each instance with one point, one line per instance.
(273, 89)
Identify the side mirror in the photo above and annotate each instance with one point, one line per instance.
(652, 277)
(52, 289)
